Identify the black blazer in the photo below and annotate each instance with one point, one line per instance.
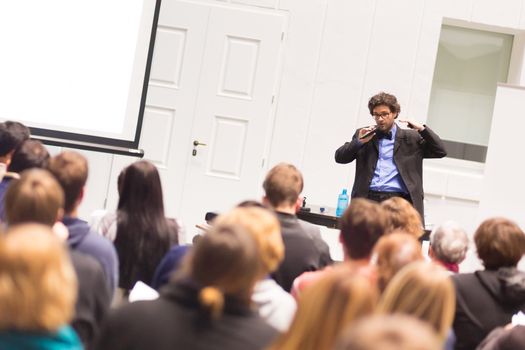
(410, 148)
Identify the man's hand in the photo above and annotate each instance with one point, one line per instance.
(413, 125)
(364, 131)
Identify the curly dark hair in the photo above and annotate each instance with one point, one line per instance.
(384, 99)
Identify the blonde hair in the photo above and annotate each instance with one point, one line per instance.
(36, 197)
(403, 216)
(392, 253)
(332, 303)
(391, 332)
(423, 290)
(38, 285)
(264, 227)
(224, 262)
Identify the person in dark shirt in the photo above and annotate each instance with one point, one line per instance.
(206, 307)
(305, 250)
(37, 197)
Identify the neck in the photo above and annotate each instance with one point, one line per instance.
(286, 209)
(73, 213)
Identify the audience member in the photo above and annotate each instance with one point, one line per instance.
(423, 290)
(334, 302)
(362, 224)
(141, 233)
(487, 299)
(206, 307)
(71, 170)
(275, 305)
(504, 338)
(37, 197)
(305, 250)
(37, 291)
(12, 134)
(392, 252)
(389, 332)
(403, 216)
(448, 245)
(29, 154)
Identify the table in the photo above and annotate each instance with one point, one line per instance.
(315, 216)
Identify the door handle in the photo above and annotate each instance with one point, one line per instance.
(195, 144)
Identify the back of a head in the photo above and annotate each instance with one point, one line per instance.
(449, 242)
(71, 170)
(499, 243)
(12, 134)
(30, 154)
(362, 224)
(283, 184)
(403, 216)
(423, 290)
(35, 197)
(392, 253)
(389, 332)
(140, 188)
(37, 282)
(332, 303)
(224, 262)
(264, 227)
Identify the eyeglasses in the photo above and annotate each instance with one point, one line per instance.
(381, 116)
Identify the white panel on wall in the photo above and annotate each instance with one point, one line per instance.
(393, 52)
(259, 3)
(168, 57)
(507, 13)
(503, 193)
(156, 134)
(337, 96)
(239, 67)
(228, 145)
(298, 80)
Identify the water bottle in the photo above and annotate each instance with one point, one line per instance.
(342, 203)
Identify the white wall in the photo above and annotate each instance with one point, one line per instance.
(337, 54)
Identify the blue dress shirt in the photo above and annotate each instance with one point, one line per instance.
(386, 176)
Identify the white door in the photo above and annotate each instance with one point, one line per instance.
(213, 75)
(233, 110)
(172, 92)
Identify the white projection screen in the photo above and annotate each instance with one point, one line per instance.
(77, 71)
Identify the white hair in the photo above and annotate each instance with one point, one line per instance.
(449, 241)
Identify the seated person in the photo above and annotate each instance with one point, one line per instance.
(37, 291)
(448, 245)
(362, 225)
(488, 298)
(206, 307)
(403, 216)
(337, 300)
(12, 134)
(393, 332)
(393, 252)
(305, 250)
(70, 169)
(139, 229)
(30, 154)
(37, 197)
(425, 291)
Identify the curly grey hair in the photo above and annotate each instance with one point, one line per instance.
(449, 242)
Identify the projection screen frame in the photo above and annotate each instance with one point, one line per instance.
(106, 144)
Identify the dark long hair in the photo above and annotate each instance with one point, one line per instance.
(144, 234)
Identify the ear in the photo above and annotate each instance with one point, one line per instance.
(265, 201)
(60, 214)
(298, 203)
